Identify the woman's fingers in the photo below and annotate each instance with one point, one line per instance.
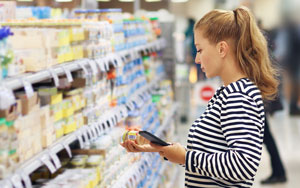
(131, 148)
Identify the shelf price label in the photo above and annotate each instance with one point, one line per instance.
(25, 178)
(46, 161)
(93, 131)
(28, 88)
(68, 74)
(118, 60)
(16, 181)
(82, 66)
(106, 64)
(118, 115)
(93, 66)
(79, 138)
(130, 105)
(100, 63)
(84, 131)
(67, 148)
(124, 111)
(54, 76)
(6, 184)
(97, 129)
(55, 159)
(89, 132)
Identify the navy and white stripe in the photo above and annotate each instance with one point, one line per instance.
(225, 143)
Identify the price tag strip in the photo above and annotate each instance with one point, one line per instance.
(100, 63)
(28, 88)
(46, 161)
(93, 66)
(82, 66)
(16, 181)
(54, 76)
(55, 159)
(25, 178)
(68, 74)
(97, 128)
(79, 138)
(67, 148)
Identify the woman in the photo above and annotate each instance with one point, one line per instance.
(225, 143)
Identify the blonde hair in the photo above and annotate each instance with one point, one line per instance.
(250, 45)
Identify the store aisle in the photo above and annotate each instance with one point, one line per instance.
(286, 131)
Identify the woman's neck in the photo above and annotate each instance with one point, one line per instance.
(231, 73)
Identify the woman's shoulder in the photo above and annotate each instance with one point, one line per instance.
(244, 87)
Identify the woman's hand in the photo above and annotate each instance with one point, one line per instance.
(174, 153)
(131, 146)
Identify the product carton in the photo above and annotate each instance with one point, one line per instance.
(28, 104)
(79, 83)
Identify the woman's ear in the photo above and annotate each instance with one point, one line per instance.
(222, 48)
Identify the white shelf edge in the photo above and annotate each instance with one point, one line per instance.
(35, 162)
(15, 82)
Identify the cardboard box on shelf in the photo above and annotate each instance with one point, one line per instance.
(34, 59)
(21, 40)
(79, 83)
(50, 98)
(8, 10)
(28, 104)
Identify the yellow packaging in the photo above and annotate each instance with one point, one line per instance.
(59, 130)
(79, 161)
(70, 125)
(68, 109)
(55, 99)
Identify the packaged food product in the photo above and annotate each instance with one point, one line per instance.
(79, 161)
(134, 136)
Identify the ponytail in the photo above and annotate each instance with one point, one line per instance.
(250, 45)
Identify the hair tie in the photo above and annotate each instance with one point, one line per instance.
(235, 15)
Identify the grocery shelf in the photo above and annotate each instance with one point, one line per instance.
(174, 176)
(49, 157)
(160, 173)
(18, 81)
(166, 123)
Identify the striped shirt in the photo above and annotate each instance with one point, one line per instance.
(225, 142)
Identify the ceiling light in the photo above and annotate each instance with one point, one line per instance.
(25, 0)
(179, 1)
(150, 1)
(63, 1)
(126, 0)
(103, 0)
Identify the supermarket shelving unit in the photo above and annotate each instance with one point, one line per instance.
(48, 157)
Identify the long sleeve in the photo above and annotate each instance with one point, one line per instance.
(241, 120)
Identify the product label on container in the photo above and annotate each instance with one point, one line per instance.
(46, 160)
